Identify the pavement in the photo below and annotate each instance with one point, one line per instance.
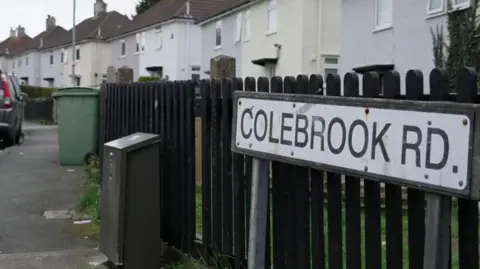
(31, 184)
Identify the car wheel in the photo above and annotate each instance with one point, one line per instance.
(10, 138)
(18, 136)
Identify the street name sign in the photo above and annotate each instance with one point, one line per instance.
(414, 143)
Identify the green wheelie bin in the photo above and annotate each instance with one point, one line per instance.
(77, 118)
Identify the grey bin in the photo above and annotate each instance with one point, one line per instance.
(130, 202)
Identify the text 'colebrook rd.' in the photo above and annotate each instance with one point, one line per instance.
(423, 147)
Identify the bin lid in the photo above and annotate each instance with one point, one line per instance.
(75, 91)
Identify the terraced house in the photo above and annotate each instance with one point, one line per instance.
(164, 41)
(17, 41)
(286, 37)
(25, 63)
(224, 30)
(384, 35)
(91, 53)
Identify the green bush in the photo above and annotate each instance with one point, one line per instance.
(147, 79)
(37, 92)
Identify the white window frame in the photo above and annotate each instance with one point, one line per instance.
(78, 55)
(158, 38)
(272, 10)
(123, 54)
(328, 65)
(384, 25)
(51, 58)
(65, 55)
(144, 41)
(137, 42)
(431, 11)
(248, 26)
(461, 5)
(238, 28)
(218, 26)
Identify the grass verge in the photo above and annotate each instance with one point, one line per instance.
(187, 262)
(89, 203)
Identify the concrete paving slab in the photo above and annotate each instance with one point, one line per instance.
(32, 183)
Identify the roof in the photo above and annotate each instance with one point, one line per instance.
(110, 24)
(166, 10)
(14, 44)
(222, 7)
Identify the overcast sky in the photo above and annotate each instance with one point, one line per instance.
(31, 14)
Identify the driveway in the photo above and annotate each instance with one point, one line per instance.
(32, 182)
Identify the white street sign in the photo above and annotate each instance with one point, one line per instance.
(420, 147)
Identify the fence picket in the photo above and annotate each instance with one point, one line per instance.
(373, 231)
(353, 210)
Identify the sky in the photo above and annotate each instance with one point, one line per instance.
(31, 14)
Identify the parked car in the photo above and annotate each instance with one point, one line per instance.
(12, 103)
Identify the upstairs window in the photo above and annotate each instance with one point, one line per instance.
(123, 48)
(77, 53)
(383, 14)
(456, 4)
(247, 26)
(143, 41)
(238, 29)
(218, 34)
(51, 58)
(137, 39)
(272, 17)
(435, 6)
(158, 37)
(26, 60)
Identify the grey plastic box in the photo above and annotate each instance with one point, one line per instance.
(130, 201)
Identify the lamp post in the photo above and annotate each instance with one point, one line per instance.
(74, 78)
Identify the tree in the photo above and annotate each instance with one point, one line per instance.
(144, 5)
(462, 45)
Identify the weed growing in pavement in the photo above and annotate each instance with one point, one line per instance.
(89, 202)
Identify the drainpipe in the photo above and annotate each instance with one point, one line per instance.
(187, 37)
(74, 80)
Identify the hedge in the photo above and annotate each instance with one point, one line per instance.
(37, 92)
(146, 79)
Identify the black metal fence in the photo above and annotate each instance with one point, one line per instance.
(319, 219)
(39, 109)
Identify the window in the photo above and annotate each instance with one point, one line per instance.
(26, 60)
(331, 60)
(460, 3)
(13, 64)
(272, 17)
(435, 6)
(330, 71)
(330, 65)
(51, 59)
(123, 48)
(62, 56)
(247, 26)
(383, 14)
(143, 41)
(218, 35)
(77, 53)
(137, 39)
(19, 63)
(158, 37)
(238, 30)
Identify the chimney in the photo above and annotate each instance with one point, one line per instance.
(50, 22)
(20, 31)
(99, 7)
(13, 33)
